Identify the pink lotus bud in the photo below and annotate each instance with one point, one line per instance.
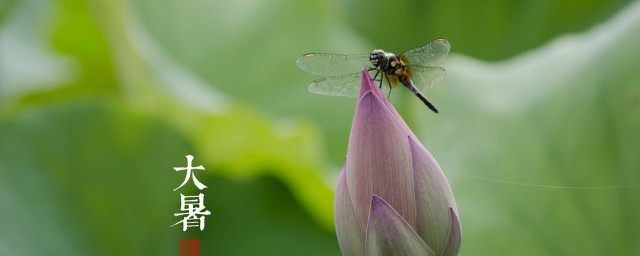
(392, 197)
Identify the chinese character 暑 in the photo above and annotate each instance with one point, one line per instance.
(190, 174)
(192, 207)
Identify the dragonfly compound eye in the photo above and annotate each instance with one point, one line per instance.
(375, 57)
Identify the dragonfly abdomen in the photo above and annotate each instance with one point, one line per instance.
(421, 96)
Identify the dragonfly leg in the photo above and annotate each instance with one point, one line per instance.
(382, 81)
(376, 75)
(388, 82)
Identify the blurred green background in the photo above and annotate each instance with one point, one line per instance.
(539, 131)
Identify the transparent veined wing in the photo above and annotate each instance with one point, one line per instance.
(329, 64)
(343, 85)
(426, 77)
(429, 54)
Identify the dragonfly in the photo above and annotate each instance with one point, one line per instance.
(415, 69)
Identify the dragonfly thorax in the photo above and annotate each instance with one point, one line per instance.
(388, 63)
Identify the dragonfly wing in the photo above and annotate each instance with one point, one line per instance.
(426, 77)
(328, 64)
(343, 85)
(429, 54)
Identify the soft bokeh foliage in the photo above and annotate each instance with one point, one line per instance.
(100, 99)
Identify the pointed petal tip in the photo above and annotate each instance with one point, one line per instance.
(365, 82)
(455, 223)
(389, 234)
(377, 202)
(455, 235)
(365, 72)
(368, 84)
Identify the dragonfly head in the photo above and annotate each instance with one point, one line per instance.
(376, 57)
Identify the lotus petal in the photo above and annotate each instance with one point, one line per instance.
(389, 234)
